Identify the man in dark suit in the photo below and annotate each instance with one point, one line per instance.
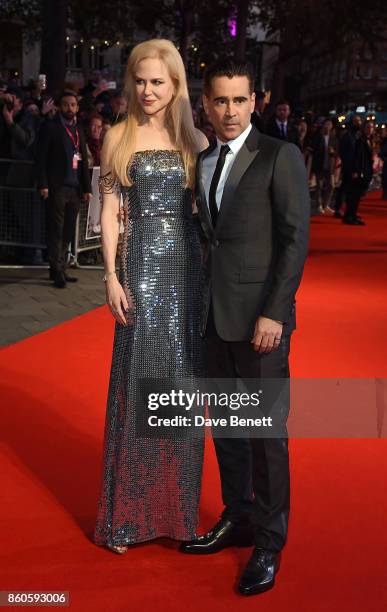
(253, 203)
(259, 109)
(279, 125)
(361, 172)
(63, 178)
(347, 147)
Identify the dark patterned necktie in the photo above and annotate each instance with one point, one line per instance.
(224, 149)
(283, 133)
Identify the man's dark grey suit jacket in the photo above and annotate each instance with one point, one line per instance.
(254, 257)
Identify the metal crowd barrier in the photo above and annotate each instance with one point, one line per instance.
(23, 212)
(81, 241)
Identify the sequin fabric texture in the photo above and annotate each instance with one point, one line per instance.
(151, 486)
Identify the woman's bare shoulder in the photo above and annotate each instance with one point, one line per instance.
(202, 142)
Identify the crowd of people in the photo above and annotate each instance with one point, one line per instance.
(53, 145)
(341, 163)
(24, 111)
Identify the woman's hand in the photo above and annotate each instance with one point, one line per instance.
(120, 306)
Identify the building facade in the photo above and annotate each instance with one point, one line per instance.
(324, 80)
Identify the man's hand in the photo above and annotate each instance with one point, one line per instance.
(48, 105)
(8, 114)
(87, 196)
(44, 193)
(101, 87)
(267, 335)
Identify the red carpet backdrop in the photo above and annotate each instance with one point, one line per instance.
(53, 391)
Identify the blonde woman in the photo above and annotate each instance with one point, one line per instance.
(150, 485)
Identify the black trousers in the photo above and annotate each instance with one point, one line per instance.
(342, 191)
(62, 210)
(254, 472)
(384, 177)
(356, 189)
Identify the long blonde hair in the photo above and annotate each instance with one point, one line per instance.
(179, 118)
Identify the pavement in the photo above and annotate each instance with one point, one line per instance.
(29, 302)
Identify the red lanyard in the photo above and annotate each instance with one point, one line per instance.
(75, 142)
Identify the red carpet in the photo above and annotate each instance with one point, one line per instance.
(53, 401)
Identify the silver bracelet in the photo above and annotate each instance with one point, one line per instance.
(108, 274)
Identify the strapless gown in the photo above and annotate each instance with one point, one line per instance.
(151, 485)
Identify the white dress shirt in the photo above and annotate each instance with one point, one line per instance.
(282, 123)
(209, 164)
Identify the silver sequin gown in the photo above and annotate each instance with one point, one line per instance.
(151, 486)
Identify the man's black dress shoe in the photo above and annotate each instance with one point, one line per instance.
(68, 279)
(259, 573)
(224, 534)
(59, 280)
(356, 221)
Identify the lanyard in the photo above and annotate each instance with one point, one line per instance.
(75, 142)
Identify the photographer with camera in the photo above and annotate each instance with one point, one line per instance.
(17, 133)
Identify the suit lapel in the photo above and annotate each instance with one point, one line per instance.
(244, 158)
(201, 199)
(62, 132)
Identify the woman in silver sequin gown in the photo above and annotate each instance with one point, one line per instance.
(150, 485)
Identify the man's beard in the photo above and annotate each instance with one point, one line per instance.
(69, 115)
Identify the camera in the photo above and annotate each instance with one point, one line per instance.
(42, 81)
(10, 104)
(5, 101)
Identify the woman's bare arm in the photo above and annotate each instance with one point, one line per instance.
(110, 222)
(110, 227)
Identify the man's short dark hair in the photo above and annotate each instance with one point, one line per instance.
(17, 92)
(282, 103)
(259, 94)
(67, 93)
(229, 68)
